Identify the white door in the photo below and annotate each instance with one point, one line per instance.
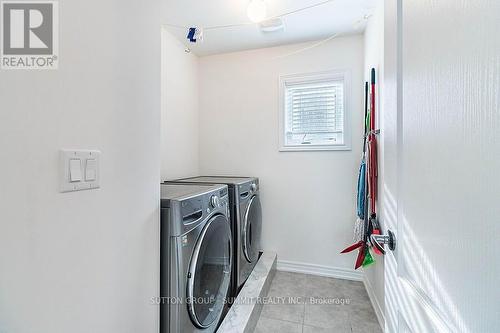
(442, 165)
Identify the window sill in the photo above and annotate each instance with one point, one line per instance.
(315, 148)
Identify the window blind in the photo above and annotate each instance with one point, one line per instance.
(315, 111)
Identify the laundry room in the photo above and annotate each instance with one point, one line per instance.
(242, 104)
(249, 166)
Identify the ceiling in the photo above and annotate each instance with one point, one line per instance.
(336, 16)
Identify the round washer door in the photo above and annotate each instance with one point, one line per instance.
(252, 228)
(210, 272)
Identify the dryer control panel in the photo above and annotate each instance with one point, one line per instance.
(246, 190)
(196, 210)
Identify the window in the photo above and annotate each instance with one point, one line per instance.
(313, 112)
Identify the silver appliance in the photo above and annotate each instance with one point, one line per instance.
(246, 220)
(196, 257)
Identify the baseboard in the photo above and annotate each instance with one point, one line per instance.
(379, 312)
(335, 272)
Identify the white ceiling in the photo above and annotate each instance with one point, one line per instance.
(337, 16)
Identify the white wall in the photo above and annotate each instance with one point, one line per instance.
(308, 198)
(374, 58)
(180, 118)
(84, 261)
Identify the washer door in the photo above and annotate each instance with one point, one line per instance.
(252, 228)
(210, 272)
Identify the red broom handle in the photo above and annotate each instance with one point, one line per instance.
(372, 101)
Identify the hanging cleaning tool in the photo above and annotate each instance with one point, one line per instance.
(372, 149)
(371, 167)
(366, 208)
(361, 196)
(373, 226)
(362, 255)
(361, 201)
(360, 228)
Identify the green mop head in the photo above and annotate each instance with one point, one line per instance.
(368, 259)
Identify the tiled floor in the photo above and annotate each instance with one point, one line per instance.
(296, 307)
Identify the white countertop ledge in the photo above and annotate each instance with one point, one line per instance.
(245, 311)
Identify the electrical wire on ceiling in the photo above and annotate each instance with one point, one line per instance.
(196, 33)
(300, 9)
(309, 47)
(216, 27)
(356, 24)
(318, 43)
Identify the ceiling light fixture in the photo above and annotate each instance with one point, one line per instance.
(257, 10)
(272, 25)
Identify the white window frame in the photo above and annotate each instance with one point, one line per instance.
(344, 75)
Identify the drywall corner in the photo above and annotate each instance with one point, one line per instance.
(179, 110)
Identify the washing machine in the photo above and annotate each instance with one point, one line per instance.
(246, 220)
(196, 257)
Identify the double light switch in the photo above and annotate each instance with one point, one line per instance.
(79, 170)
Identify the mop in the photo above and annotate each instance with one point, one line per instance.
(366, 223)
(374, 227)
(360, 228)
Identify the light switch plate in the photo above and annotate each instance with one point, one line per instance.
(65, 157)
